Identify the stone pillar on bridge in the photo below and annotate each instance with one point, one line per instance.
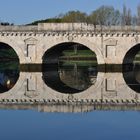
(31, 53)
(110, 50)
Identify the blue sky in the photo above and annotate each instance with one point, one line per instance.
(26, 11)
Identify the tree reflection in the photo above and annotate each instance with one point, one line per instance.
(69, 78)
(78, 77)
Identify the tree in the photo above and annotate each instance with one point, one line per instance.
(138, 15)
(126, 16)
(134, 20)
(116, 17)
(92, 18)
(74, 16)
(105, 15)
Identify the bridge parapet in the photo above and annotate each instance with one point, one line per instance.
(85, 27)
(82, 27)
(16, 28)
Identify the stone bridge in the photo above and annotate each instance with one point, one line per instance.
(112, 45)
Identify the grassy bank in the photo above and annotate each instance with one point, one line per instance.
(79, 63)
(79, 55)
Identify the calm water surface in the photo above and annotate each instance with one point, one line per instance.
(78, 126)
(71, 77)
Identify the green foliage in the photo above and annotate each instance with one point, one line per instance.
(50, 20)
(74, 16)
(79, 52)
(79, 63)
(104, 15)
(126, 16)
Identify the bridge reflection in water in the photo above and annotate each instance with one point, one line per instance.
(114, 91)
(70, 78)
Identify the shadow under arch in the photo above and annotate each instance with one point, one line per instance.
(52, 67)
(9, 67)
(131, 70)
(130, 55)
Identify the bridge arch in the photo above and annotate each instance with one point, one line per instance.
(89, 43)
(56, 50)
(58, 72)
(131, 67)
(17, 90)
(91, 92)
(17, 48)
(130, 54)
(9, 67)
(95, 47)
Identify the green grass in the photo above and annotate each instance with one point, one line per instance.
(79, 63)
(137, 59)
(87, 53)
(81, 58)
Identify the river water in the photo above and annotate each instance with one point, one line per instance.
(68, 122)
(27, 124)
(72, 82)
